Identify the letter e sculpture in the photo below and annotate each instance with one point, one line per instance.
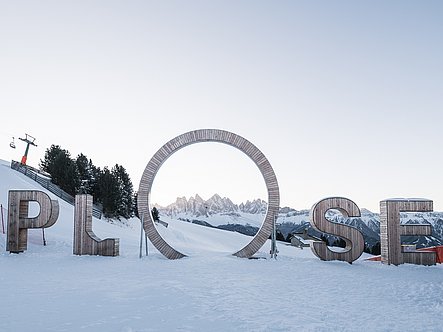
(391, 231)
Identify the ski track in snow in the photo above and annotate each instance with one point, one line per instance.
(49, 289)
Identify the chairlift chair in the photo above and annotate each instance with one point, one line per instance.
(12, 144)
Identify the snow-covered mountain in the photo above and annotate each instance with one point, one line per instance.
(197, 206)
(246, 218)
(257, 206)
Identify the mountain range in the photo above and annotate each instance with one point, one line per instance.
(246, 218)
(197, 206)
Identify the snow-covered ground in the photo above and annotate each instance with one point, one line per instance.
(49, 289)
(226, 218)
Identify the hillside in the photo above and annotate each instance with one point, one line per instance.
(48, 289)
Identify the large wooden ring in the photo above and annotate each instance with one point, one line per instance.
(208, 135)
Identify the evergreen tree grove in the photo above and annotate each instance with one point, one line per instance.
(110, 188)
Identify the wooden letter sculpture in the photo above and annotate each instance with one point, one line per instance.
(391, 230)
(85, 241)
(208, 135)
(18, 217)
(352, 236)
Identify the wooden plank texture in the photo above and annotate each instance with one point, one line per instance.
(351, 235)
(391, 231)
(18, 217)
(85, 241)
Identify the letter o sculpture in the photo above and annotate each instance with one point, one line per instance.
(208, 135)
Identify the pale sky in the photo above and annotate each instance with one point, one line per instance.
(343, 97)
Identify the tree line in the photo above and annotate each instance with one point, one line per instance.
(111, 188)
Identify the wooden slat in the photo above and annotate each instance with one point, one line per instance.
(420, 258)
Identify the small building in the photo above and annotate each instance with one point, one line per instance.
(303, 239)
(298, 241)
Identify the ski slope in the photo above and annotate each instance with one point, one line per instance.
(47, 288)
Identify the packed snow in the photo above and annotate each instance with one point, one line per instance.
(47, 288)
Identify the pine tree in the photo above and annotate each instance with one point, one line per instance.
(47, 163)
(95, 182)
(367, 248)
(155, 214)
(125, 205)
(109, 198)
(85, 173)
(63, 170)
(289, 237)
(279, 235)
(134, 204)
(376, 249)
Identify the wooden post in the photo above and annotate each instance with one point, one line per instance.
(141, 238)
(43, 237)
(146, 244)
(3, 221)
(85, 241)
